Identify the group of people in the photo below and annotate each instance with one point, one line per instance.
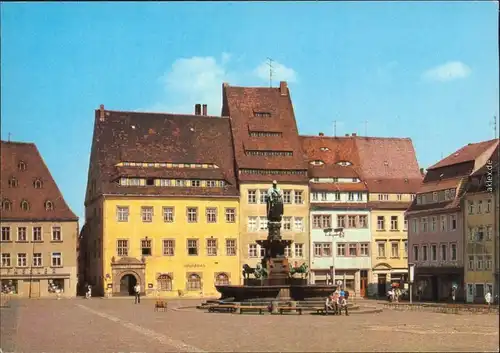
(336, 302)
(394, 294)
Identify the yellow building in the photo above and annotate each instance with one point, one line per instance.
(480, 237)
(267, 147)
(162, 205)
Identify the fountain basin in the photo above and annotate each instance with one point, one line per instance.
(292, 291)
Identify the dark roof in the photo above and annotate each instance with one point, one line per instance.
(387, 165)
(121, 136)
(241, 104)
(12, 153)
(470, 152)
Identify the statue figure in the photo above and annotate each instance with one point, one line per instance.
(274, 203)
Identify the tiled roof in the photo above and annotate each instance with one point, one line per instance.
(12, 153)
(389, 205)
(161, 138)
(437, 185)
(394, 186)
(493, 166)
(241, 104)
(346, 187)
(467, 153)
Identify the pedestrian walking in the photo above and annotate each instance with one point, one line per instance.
(487, 298)
(137, 290)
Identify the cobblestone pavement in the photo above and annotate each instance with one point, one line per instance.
(102, 326)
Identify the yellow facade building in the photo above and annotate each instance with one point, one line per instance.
(162, 205)
(267, 147)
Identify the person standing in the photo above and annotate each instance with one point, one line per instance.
(137, 290)
(487, 298)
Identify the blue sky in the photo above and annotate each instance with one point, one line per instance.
(424, 70)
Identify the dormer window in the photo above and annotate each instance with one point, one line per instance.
(344, 163)
(21, 166)
(38, 184)
(262, 114)
(6, 205)
(317, 162)
(49, 206)
(324, 149)
(13, 183)
(25, 205)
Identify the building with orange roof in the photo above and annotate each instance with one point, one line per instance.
(267, 147)
(39, 232)
(437, 223)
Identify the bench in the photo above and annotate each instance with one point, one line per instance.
(221, 308)
(289, 308)
(260, 309)
(161, 305)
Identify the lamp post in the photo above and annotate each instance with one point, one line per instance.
(335, 232)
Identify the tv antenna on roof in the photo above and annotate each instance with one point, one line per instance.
(270, 64)
(8, 137)
(366, 127)
(493, 124)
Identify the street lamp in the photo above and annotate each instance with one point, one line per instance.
(333, 232)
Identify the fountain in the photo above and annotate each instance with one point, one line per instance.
(273, 278)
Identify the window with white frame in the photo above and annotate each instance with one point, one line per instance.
(489, 232)
(262, 196)
(192, 214)
(262, 223)
(212, 247)
(444, 252)
(470, 207)
(252, 224)
(298, 250)
(488, 206)
(453, 222)
(350, 196)
(424, 225)
(399, 197)
(471, 263)
(351, 221)
(337, 195)
(298, 198)
(288, 251)
(405, 251)
(340, 221)
(352, 250)
(6, 234)
(252, 250)
(471, 233)
(231, 247)
(262, 251)
(122, 213)
(287, 196)
(230, 215)
(324, 196)
(395, 249)
(192, 247)
(6, 260)
(22, 260)
(433, 223)
(405, 225)
(146, 247)
(322, 249)
(298, 224)
(168, 247)
(443, 223)
(394, 223)
(359, 196)
(381, 249)
(287, 223)
(434, 196)
(22, 234)
(380, 222)
(122, 247)
(415, 252)
(341, 249)
(479, 262)
(315, 196)
(364, 249)
(488, 262)
(470, 289)
(414, 225)
(433, 252)
(37, 259)
(56, 233)
(453, 252)
(479, 206)
(147, 213)
(363, 221)
(37, 234)
(252, 196)
(56, 259)
(211, 214)
(168, 214)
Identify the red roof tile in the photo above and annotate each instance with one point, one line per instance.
(11, 154)
(466, 154)
(437, 185)
(241, 104)
(345, 187)
(394, 186)
(161, 138)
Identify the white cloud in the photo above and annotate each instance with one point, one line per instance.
(452, 70)
(280, 72)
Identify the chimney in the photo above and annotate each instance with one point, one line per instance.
(101, 112)
(346, 135)
(204, 109)
(283, 88)
(422, 172)
(197, 109)
(321, 134)
(354, 134)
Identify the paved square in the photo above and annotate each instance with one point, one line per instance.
(117, 325)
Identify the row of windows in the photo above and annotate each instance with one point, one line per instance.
(273, 172)
(269, 153)
(36, 234)
(479, 207)
(37, 260)
(168, 214)
(430, 224)
(265, 134)
(14, 183)
(288, 197)
(168, 247)
(172, 182)
(394, 224)
(25, 205)
(353, 221)
(395, 249)
(447, 252)
(326, 196)
(480, 263)
(324, 249)
(193, 283)
(255, 224)
(167, 165)
(436, 196)
(480, 233)
(255, 251)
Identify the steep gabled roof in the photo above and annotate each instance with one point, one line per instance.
(18, 185)
(254, 112)
(121, 136)
(468, 153)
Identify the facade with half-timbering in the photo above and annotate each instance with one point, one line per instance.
(266, 148)
(39, 231)
(162, 205)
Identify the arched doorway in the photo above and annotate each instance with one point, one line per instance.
(127, 284)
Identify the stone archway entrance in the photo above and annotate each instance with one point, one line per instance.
(126, 273)
(127, 284)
